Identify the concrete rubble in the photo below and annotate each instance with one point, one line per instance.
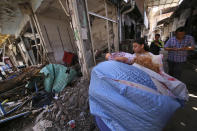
(72, 104)
(69, 105)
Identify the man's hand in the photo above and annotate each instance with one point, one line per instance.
(180, 49)
(171, 49)
(186, 48)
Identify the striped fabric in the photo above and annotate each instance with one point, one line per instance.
(179, 56)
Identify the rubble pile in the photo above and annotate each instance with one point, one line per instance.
(45, 98)
(63, 111)
(19, 78)
(71, 105)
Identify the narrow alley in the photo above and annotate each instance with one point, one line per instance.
(98, 65)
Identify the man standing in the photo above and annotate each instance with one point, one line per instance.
(156, 45)
(177, 48)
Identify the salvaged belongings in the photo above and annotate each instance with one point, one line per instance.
(27, 90)
(131, 97)
(57, 77)
(25, 104)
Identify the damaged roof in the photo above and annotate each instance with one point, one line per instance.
(166, 10)
(12, 20)
(164, 3)
(9, 10)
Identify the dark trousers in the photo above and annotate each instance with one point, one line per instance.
(175, 69)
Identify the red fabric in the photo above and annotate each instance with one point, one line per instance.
(68, 57)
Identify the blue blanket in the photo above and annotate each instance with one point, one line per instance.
(124, 108)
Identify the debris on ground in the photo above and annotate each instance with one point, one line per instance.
(27, 105)
(21, 77)
(71, 109)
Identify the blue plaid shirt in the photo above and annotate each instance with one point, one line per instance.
(179, 56)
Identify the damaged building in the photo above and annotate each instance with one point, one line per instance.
(70, 36)
(45, 30)
(49, 48)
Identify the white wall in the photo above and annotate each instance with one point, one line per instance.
(56, 41)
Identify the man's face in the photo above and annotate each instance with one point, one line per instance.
(157, 37)
(180, 35)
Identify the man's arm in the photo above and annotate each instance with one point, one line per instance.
(167, 46)
(190, 45)
(187, 48)
(181, 49)
(171, 49)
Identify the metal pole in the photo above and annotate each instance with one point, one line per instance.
(100, 16)
(15, 116)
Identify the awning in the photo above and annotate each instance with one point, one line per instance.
(163, 21)
(167, 10)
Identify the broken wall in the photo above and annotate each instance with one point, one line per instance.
(99, 33)
(57, 33)
(99, 25)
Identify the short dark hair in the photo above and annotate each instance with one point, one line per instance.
(180, 29)
(141, 41)
(157, 35)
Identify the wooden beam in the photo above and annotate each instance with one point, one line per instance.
(42, 42)
(79, 41)
(90, 29)
(22, 54)
(27, 53)
(35, 39)
(103, 17)
(107, 25)
(115, 29)
(12, 54)
(65, 11)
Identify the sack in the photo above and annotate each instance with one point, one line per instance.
(126, 108)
